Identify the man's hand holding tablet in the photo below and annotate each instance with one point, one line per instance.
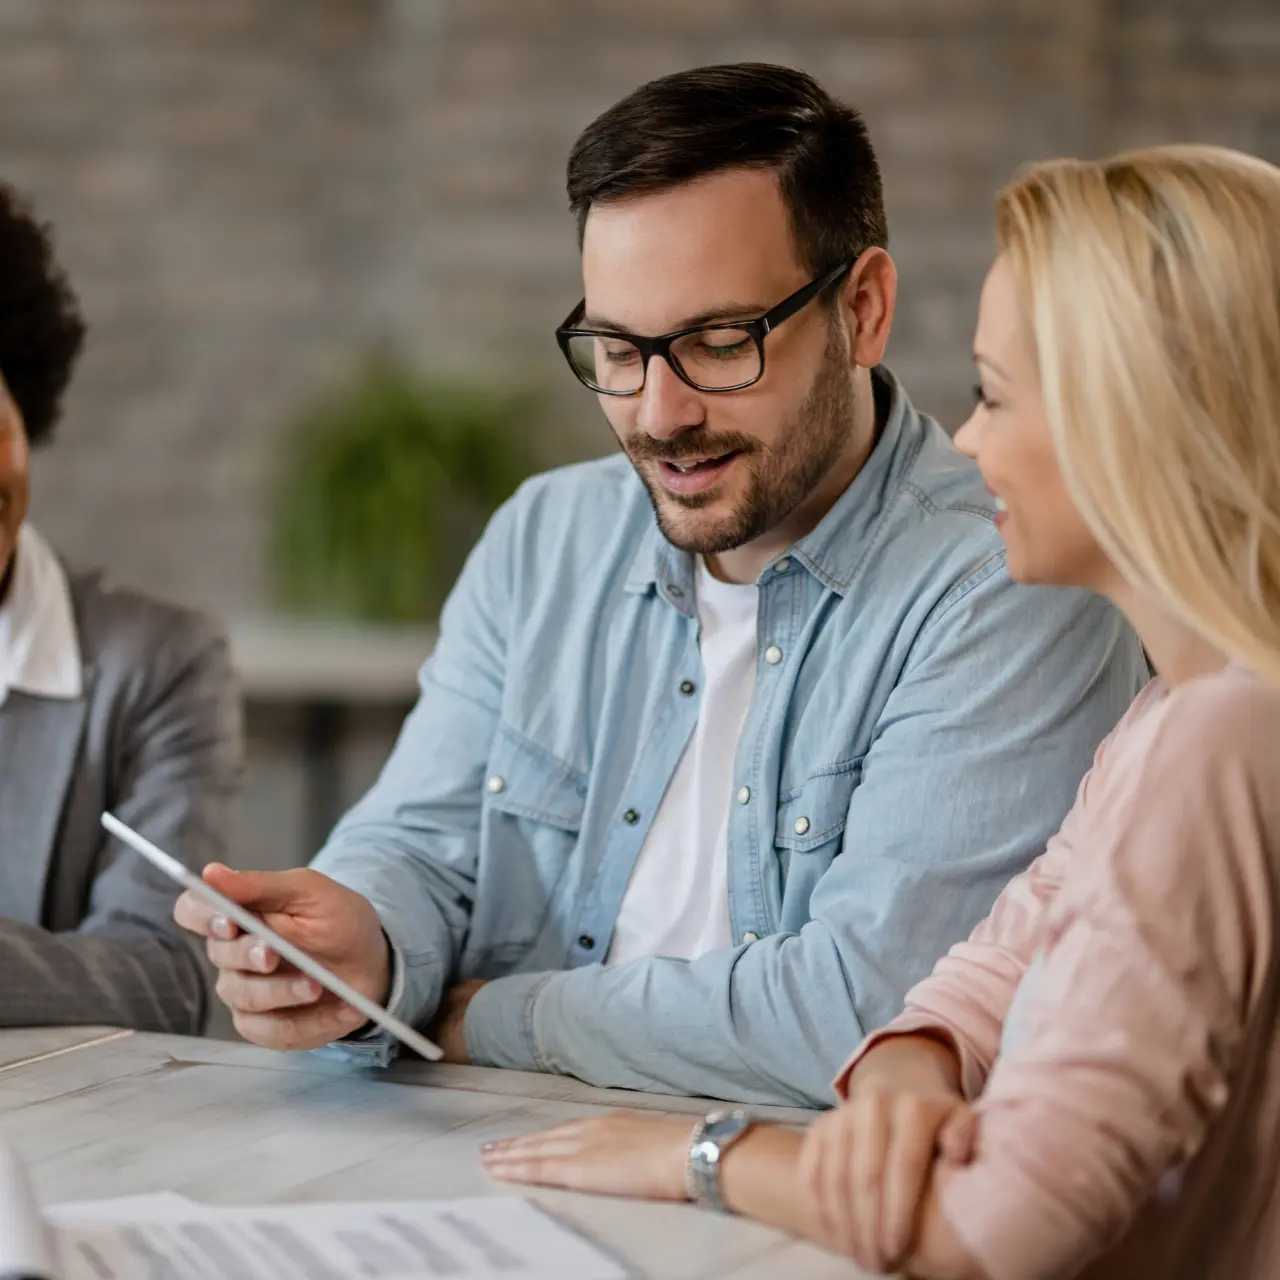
(281, 989)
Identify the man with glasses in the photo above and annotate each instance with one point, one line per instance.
(726, 737)
(709, 357)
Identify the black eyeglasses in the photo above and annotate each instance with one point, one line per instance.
(711, 357)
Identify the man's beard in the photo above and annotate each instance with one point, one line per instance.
(779, 479)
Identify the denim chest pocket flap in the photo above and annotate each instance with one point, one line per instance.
(532, 811)
(526, 781)
(815, 813)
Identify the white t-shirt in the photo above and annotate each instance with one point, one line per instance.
(677, 900)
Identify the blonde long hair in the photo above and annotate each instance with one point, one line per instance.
(1152, 283)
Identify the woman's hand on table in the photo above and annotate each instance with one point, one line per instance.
(621, 1154)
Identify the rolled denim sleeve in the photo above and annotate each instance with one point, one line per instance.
(410, 845)
(1002, 700)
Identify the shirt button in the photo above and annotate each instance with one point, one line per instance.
(773, 655)
(586, 942)
(688, 688)
(783, 565)
(495, 784)
(751, 937)
(802, 826)
(631, 817)
(744, 795)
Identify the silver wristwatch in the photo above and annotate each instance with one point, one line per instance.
(712, 1137)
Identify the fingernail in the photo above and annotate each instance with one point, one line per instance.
(486, 1147)
(221, 927)
(258, 956)
(304, 989)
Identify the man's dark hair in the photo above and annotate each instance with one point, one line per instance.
(41, 329)
(748, 115)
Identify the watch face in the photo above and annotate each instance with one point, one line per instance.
(722, 1125)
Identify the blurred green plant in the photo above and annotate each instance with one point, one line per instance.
(385, 488)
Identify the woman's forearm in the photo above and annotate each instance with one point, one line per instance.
(759, 1179)
(759, 1176)
(938, 1253)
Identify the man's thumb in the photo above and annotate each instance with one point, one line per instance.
(260, 891)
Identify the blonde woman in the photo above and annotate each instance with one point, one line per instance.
(1114, 1024)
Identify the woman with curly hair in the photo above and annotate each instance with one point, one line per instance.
(1090, 1085)
(108, 700)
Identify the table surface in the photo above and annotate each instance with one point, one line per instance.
(36, 1043)
(97, 1112)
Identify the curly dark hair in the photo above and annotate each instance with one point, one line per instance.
(41, 328)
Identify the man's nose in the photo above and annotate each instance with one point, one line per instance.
(668, 405)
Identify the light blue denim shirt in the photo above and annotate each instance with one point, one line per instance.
(919, 735)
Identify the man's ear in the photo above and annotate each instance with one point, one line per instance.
(866, 302)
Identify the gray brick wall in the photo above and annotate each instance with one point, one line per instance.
(247, 192)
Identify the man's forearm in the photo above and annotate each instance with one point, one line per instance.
(122, 976)
(666, 1026)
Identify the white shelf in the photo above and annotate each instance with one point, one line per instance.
(287, 659)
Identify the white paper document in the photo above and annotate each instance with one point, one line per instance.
(153, 1205)
(169, 1238)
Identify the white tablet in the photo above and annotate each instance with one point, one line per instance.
(252, 924)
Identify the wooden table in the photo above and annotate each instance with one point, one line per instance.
(36, 1043)
(99, 1113)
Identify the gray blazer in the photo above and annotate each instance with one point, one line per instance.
(86, 934)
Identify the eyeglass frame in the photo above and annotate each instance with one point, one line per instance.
(758, 328)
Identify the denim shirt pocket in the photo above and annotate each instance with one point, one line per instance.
(532, 814)
(810, 826)
(814, 813)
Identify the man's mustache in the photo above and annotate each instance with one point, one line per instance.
(644, 448)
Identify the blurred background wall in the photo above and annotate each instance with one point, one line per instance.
(250, 195)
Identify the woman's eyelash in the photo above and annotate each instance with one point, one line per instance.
(980, 396)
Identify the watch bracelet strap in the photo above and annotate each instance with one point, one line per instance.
(702, 1178)
(692, 1186)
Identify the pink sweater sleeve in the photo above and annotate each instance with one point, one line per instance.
(1125, 1044)
(965, 999)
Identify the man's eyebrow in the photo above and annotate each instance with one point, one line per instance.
(724, 313)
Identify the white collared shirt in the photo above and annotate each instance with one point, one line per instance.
(39, 645)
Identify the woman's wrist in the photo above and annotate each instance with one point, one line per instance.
(758, 1179)
(914, 1060)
